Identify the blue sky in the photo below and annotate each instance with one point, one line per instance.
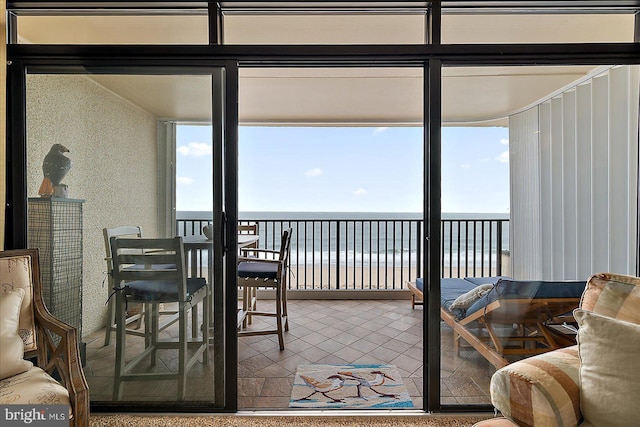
(348, 169)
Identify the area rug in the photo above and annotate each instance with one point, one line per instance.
(284, 420)
(349, 387)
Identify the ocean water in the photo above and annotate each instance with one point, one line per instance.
(376, 238)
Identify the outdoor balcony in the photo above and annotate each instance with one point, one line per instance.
(321, 332)
(347, 306)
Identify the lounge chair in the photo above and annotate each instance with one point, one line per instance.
(511, 317)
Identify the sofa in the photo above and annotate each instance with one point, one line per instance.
(594, 383)
(39, 356)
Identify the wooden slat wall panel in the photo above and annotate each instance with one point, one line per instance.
(557, 191)
(619, 170)
(570, 184)
(546, 206)
(588, 181)
(583, 175)
(600, 177)
(525, 195)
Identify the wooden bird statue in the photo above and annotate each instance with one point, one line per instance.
(54, 167)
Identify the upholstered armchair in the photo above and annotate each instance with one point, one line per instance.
(30, 334)
(594, 383)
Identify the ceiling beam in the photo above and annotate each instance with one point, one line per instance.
(335, 6)
(333, 55)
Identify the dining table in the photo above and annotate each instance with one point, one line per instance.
(194, 246)
(198, 243)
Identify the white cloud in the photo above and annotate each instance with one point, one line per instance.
(504, 157)
(184, 180)
(504, 141)
(379, 130)
(360, 192)
(465, 166)
(314, 172)
(196, 149)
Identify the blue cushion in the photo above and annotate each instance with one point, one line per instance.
(518, 289)
(452, 288)
(161, 290)
(257, 269)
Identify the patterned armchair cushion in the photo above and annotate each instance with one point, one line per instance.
(16, 273)
(28, 384)
(613, 295)
(12, 349)
(54, 348)
(33, 387)
(540, 391)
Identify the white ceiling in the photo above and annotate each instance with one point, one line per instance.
(353, 96)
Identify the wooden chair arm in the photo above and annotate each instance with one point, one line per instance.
(64, 358)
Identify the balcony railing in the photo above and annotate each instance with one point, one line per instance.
(363, 254)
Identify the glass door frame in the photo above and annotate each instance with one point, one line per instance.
(224, 112)
(173, 58)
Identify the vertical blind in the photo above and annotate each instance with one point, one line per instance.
(581, 160)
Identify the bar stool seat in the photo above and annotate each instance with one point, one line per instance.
(256, 272)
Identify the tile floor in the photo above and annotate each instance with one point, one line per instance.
(320, 332)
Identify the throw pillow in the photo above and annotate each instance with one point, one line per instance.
(609, 370)
(11, 345)
(465, 300)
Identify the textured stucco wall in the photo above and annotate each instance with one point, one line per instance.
(113, 151)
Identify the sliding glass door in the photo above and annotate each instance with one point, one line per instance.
(101, 152)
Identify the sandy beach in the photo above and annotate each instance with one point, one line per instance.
(319, 277)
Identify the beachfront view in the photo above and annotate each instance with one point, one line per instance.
(312, 206)
(353, 199)
(356, 217)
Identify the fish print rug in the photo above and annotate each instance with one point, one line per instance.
(349, 387)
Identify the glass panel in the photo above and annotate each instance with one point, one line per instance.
(521, 197)
(119, 132)
(113, 29)
(335, 154)
(543, 28)
(475, 229)
(325, 29)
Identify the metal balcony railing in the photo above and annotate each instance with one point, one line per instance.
(364, 254)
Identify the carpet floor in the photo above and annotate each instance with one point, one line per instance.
(285, 420)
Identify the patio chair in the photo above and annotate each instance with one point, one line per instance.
(512, 318)
(135, 312)
(30, 332)
(152, 272)
(249, 298)
(271, 273)
(251, 229)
